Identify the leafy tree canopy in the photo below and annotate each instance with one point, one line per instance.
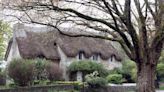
(5, 35)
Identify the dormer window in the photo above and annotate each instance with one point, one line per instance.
(95, 57)
(80, 56)
(112, 58)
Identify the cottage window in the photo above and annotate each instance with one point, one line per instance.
(81, 55)
(112, 58)
(95, 57)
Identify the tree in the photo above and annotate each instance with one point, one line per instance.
(137, 25)
(5, 35)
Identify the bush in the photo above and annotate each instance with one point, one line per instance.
(129, 71)
(54, 72)
(116, 71)
(115, 78)
(160, 71)
(161, 59)
(40, 69)
(97, 82)
(94, 81)
(88, 67)
(2, 78)
(21, 71)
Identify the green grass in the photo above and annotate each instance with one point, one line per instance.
(161, 87)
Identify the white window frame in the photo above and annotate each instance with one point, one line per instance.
(80, 55)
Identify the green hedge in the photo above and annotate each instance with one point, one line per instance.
(94, 81)
(40, 69)
(88, 66)
(160, 71)
(129, 71)
(115, 78)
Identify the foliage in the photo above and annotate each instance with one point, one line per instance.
(5, 35)
(21, 71)
(40, 69)
(160, 71)
(94, 81)
(129, 71)
(115, 78)
(54, 72)
(88, 66)
(0, 67)
(161, 60)
(2, 78)
(116, 71)
(160, 68)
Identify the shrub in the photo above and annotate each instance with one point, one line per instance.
(97, 82)
(129, 71)
(160, 73)
(115, 78)
(116, 71)
(21, 71)
(54, 72)
(160, 68)
(2, 78)
(94, 81)
(40, 69)
(161, 59)
(88, 67)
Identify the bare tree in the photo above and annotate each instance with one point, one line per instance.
(137, 25)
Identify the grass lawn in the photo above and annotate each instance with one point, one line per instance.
(161, 87)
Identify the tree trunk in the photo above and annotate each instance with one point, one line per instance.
(146, 77)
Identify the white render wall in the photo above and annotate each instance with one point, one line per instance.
(14, 51)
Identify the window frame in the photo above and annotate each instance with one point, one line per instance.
(95, 57)
(81, 55)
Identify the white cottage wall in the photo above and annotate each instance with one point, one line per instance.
(14, 52)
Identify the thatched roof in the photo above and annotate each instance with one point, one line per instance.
(45, 44)
(38, 45)
(90, 46)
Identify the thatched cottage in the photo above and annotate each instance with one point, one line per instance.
(44, 42)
